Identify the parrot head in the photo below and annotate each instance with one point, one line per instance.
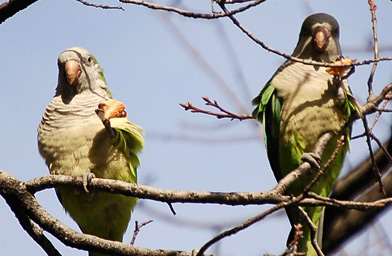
(79, 72)
(319, 39)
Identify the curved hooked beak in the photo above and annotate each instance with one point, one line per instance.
(321, 38)
(72, 72)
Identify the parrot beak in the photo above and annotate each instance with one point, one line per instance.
(320, 39)
(72, 72)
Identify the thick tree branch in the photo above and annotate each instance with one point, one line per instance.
(171, 196)
(29, 226)
(15, 193)
(11, 7)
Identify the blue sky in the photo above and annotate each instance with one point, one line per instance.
(153, 61)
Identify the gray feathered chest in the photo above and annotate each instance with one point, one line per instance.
(67, 132)
(311, 105)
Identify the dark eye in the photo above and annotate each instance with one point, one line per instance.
(89, 59)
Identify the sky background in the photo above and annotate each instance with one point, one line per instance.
(153, 61)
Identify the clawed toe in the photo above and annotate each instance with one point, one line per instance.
(312, 158)
(87, 177)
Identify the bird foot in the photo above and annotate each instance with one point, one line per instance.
(87, 177)
(110, 109)
(312, 158)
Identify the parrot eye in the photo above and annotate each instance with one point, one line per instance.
(89, 59)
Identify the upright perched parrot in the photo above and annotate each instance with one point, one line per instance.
(298, 105)
(80, 135)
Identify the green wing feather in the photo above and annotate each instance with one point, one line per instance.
(267, 111)
(130, 141)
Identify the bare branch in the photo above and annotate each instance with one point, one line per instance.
(160, 195)
(11, 7)
(373, 102)
(375, 167)
(15, 193)
(293, 245)
(292, 58)
(190, 14)
(242, 226)
(373, 8)
(380, 111)
(30, 227)
(313, 231)
(100, 5)
(137, 229)
(225, 113)
(165, 196)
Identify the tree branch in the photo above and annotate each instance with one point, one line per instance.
(190, 14)
(292, 58)
(15, 193)
(30, 227)
(224, 113)
(101, 6)
(11, 7)
(171, 196)
(373, 8)
(240, 227)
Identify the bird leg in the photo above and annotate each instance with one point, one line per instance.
(108, 110)
(312, 158)
(86, 179)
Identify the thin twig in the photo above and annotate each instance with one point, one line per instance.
(313, 231)
(379, 112)
(137, 229)
(292, 247)
(372, 103)
(107, 7)
(292, 58)
(373, 8)
(225, 113)
(171, 208)
(380, 144)
(388, 110)
(242, 226)
(375, 167)
(189, 14)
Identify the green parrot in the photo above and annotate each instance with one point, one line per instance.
(297, 106)
(79, 137)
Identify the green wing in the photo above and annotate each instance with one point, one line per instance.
(130, 141)
(267, 111)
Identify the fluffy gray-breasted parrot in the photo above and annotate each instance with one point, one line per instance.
(83, 133)
(298, 105)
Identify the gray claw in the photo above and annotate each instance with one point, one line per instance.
(87, 177)
(312, 158)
